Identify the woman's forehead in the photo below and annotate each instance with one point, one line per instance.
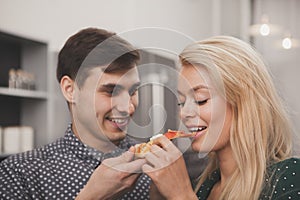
(191, 76)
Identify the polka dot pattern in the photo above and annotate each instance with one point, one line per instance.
(281, 182)
(59, 171)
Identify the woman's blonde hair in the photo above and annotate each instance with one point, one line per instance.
(260, 132)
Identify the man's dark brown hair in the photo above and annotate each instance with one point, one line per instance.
(93, 47)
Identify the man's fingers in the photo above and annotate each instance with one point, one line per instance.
(127, 156)
(131, 149)
(132, 167)
(148, 169)
(124, 158)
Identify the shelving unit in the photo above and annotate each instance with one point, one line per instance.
(45, 109)
(19, 106)
(23, 93)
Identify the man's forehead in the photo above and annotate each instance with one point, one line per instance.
(119, 78)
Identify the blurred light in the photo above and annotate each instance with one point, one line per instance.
(287, 43)
(264, 29)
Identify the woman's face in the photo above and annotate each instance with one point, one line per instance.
(203, 110)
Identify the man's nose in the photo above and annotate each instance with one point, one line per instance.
(124, 104)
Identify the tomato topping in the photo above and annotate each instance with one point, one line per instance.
(171, 134)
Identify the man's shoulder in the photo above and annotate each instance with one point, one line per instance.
(31, 157)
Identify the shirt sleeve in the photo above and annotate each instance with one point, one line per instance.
(11, 184)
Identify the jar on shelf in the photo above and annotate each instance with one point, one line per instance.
(12, 77)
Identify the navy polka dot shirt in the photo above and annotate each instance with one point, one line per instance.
(59, 171)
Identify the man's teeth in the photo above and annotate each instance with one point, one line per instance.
(197, 129)
(118, 121)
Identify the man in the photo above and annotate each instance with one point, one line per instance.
(98, 77)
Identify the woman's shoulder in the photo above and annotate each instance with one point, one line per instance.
(295, 161)
(284, 178)
(288, 169)
(290, 164)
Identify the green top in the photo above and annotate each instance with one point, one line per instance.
(282, 181)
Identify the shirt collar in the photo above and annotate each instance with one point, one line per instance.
(86, 152)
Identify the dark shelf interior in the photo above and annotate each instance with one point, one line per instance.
(10, 108)
(10, 56)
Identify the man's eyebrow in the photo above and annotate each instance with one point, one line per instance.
(110, 86)
(136, 85)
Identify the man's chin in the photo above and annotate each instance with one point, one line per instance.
(116, 137)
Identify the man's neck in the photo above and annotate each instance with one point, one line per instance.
(101, 144)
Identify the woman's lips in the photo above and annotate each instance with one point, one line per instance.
(198, 134)
(199, 130)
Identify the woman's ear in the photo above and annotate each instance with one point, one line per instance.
(67, 86)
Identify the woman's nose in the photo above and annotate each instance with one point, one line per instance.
(188, 110)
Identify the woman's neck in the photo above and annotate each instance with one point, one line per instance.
(227, 164)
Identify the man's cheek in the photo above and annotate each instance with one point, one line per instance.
(135, 101)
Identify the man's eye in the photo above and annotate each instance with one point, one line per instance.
(201, 102)
(180, 104)
(133, 92)
(113, 92)
(109, 91)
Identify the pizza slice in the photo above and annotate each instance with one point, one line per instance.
(171, 134)
(142, 148)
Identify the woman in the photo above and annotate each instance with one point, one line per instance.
(226, 95)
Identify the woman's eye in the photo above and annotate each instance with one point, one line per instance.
(201, 102)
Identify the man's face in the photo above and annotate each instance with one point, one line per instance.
(103, 106)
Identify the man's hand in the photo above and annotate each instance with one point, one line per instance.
(113, 177)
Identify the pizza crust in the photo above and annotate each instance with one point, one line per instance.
(143, 148)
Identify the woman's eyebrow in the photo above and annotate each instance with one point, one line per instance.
(199, 87)
(195, 89)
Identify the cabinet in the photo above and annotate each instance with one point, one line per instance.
(19, 106)
(157, 110)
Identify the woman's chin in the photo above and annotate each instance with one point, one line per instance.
(196, 146)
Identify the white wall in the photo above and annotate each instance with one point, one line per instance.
(283, 63)
(55, 20)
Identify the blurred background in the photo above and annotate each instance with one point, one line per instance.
(33, 31)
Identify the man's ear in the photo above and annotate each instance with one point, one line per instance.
(67, 86)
